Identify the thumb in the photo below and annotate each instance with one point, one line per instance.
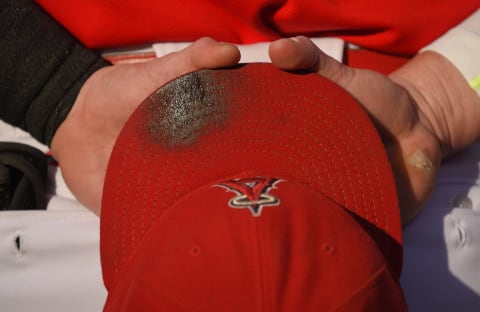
(300, 53)
(203, 53)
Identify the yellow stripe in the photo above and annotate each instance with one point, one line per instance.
(475, 83)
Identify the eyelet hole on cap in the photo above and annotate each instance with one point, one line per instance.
(328, 248)
(195, 251)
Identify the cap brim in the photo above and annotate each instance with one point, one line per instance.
(251, 120)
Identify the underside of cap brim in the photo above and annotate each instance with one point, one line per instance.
(253, 118)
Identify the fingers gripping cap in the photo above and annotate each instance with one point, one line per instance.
(250, 189)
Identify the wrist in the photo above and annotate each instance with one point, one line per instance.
(447, 106)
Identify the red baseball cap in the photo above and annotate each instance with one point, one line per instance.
(250, 189)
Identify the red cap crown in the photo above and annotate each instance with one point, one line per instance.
(250, 189)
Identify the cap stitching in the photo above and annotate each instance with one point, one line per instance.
(125, 213)
(329, 125)
(305, 109)
(115, 251)
(374, 165)
(145, 195)
(133, 208)
(155, 195)
(329, 99)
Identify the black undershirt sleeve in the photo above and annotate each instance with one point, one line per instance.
(42, 68)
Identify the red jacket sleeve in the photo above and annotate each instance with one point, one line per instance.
(397, 26)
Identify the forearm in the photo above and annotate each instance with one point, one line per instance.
(441, 90)
(452, 75)
(43, 69)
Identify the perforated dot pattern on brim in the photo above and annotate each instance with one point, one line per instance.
(253, 118)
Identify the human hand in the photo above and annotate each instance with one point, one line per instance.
(83, 143)
(424, 111)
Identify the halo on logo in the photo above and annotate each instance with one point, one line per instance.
(252, 193)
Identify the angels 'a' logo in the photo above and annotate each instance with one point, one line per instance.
(252, 193)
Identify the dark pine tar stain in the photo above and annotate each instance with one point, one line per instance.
(179, 112)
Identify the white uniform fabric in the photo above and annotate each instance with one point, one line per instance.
(441, 269)
(49, 260)
(461, 45)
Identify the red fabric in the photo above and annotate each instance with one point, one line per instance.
(306, 254)
(174, 239)
(401, 26)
